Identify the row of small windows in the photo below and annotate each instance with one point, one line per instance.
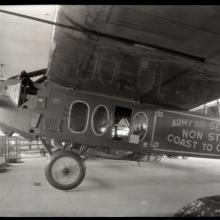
(121, 128)
(79, 116)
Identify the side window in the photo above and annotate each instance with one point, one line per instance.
(139, 125)
(100, 120)
(79, 115)
(121, 125)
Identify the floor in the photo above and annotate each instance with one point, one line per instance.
(110, 188)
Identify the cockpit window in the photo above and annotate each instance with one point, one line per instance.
(79, 114)
(100, 120)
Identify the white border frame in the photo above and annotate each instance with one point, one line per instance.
(87, 121)
(98, 106)
(145, 115)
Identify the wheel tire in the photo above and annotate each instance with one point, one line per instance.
(56, 160)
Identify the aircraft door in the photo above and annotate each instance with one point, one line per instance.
(121, 124)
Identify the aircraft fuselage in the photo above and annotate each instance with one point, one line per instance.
(98, 120)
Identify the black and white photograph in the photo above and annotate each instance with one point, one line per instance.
(109, 110)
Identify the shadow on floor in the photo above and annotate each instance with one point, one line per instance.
(6, 170)
(94, 184)
(17, 162)
(180, 167)
(116, 166)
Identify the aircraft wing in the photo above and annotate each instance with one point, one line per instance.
(164, 55)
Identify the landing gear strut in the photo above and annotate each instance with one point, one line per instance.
(65, 170)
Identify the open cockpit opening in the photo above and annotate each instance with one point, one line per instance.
(121, 125)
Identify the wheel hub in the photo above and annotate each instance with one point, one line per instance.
(66, 170)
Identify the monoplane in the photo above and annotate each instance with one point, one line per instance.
(119, 78)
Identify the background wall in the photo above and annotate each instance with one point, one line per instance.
(25, 44)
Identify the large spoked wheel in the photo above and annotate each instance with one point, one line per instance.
(65, 170)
